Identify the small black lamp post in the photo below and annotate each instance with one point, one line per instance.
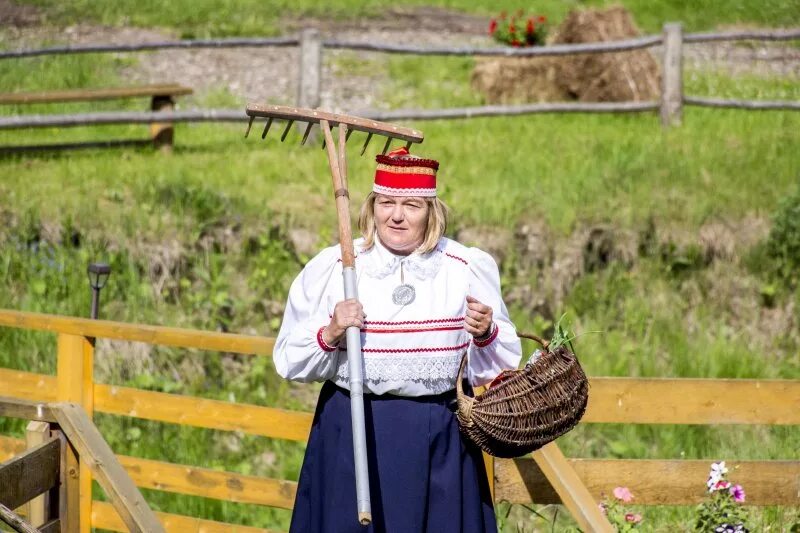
(98, 276)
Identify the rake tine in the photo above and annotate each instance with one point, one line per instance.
(386, 146)
(249, 125)
(408, 146)
(305, 135)
(323, 143)
(349, 132)
(266, 127)
(364, 148)
(286, 131)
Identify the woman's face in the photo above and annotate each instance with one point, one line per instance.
(401, 222)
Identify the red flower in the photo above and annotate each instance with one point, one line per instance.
(542, 19)
(492, 27)
(512, 29)
(530, 27)
(515, 43)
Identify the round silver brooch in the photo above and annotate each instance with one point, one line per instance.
(403, 294)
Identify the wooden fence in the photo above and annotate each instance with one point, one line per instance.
(312, 46)
(612, 400)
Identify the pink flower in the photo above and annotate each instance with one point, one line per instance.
(737, 491)
(634, 518)
(722, 484)
(602, 508)
(622, 493)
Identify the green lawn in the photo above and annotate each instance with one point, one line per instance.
(252, 17)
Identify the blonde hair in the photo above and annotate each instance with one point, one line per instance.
(434, 229)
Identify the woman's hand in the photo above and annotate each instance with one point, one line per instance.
(346, 313)
(478, 320)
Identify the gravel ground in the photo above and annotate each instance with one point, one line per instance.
(270, 74)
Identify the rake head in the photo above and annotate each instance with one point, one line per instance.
(290, 115)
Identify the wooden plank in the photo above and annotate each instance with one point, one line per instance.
(28, 385)
(29, 474)
(192, 480)
(652, 481)
(37, 433)
(116, 483)
(611, 400)
(506, 51)
(75, 378)
(693, 401)
(85, 95)
(308, 87)
(237, 42)
(69, 489)
(570, 489)
(759, 105)
(27, 410)
(105, 517)
(207, 483)
(672, 76)
(198, 412)
(106, 329)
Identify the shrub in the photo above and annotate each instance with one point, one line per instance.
(783, 243)
(519, 30)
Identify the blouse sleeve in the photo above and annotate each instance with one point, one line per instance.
(502, 349)
(300, 354)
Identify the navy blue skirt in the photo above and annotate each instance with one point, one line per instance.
(424, 477)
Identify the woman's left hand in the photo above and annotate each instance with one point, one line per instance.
(478, 319)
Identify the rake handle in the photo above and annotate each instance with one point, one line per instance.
(338, 167)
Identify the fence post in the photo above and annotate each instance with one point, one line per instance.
(672, 78)
(76, 385)
(37, 433)
(308, 88)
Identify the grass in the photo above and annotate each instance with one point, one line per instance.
(200, 239)
(251, 17)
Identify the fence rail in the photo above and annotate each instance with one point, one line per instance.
(612, 400)
(260, 42)
(309, 84)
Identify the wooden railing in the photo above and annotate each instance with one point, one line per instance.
(611, 400)
(309, 85)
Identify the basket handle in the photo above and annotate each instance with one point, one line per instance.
(536, 338)
(460, 376)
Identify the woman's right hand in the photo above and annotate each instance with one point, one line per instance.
(346, 313)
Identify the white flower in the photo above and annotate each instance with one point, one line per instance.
(718, 469)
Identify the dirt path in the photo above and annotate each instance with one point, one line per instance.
(270, 74)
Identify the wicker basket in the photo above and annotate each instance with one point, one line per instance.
(527, 408)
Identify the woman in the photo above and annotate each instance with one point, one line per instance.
(423, 301)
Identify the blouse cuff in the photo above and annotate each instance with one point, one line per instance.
(322, 344)
(486, 341)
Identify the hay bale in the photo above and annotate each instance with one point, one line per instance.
(609, 77)
(505, 80)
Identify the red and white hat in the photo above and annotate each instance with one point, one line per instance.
(402, 174)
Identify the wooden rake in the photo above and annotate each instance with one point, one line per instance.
(338, 165)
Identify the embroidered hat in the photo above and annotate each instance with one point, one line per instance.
(401, 174)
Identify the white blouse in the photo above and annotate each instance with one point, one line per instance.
(409, 350)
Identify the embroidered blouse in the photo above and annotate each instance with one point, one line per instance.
(409, 350)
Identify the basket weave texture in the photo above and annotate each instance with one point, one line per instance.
(529, 407)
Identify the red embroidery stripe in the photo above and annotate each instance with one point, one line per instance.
(448, 328)
(414, 350)
(492, 337)
(456, 258)
(403, 322)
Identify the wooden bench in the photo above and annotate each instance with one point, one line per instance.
(162, 99)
